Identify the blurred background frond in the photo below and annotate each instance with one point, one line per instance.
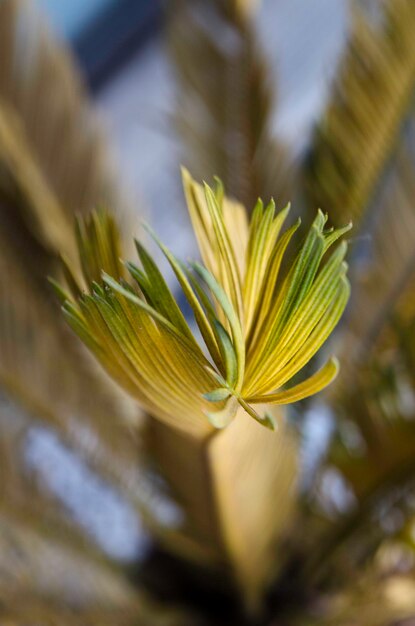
(40, 83)
(371, 101)
(46, 178)
(225, 101)
(360, 165)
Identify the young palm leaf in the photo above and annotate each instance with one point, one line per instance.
(260, 324)
(259, 328)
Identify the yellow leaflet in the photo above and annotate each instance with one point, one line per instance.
(307, 388)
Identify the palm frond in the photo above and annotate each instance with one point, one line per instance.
(31, 217)
(41, 85)
(225, 102)
(383, 276)
(374, 392)
(54, 160)
(33, 562)
(63, 585)
(372, 450)
(52, 165)
(53, 379)
(371, 99)
(248, 364)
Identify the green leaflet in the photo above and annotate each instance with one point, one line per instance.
(228, 354)
(222, 393)
(268, 287)
(222, 418)
(160, 294)
(230, 278)
(200, 316)
(232, 318)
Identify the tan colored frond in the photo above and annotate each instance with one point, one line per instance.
(53, 158)
(228, 485)
(31, 217)
(39, 82)
(47, 614)
(371, 600)
(225, 101)
(383, 278)
(244, 472)
(25, 497)
(52, 165)
(371, 98)
(44, 369)
(48, 579)
(34, 562)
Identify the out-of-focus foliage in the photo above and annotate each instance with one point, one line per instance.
(362, 164)
(382, 594)
(38, 80)
(226, 101)
(41, 365)
(376, 391)
(371, 101)
(52, 164)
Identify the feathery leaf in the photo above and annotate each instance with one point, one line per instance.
(157, 359)
(372, 97)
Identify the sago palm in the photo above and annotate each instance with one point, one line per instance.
(184, 406)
